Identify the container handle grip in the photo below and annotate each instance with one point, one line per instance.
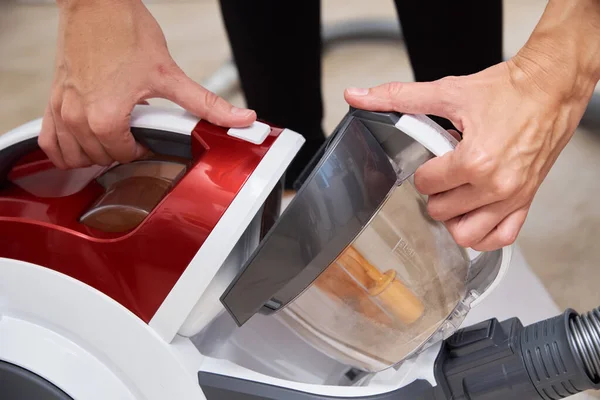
(439, 142)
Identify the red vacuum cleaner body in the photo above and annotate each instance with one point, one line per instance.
(137, 267)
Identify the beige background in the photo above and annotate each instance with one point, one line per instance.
(560, 236)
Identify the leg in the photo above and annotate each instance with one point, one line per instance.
(445, 37)
(276, 46)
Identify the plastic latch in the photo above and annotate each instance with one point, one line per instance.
(255, 133)
(474, 338)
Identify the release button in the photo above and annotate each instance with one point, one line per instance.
(255, 133)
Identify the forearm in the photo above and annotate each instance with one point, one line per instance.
(99, 28)
(72, 5)
(563, 52)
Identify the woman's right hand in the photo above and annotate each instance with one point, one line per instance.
(112, 55)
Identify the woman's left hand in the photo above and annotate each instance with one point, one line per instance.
(515, 118)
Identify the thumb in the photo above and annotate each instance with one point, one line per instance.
(182, 90)
(411, 98)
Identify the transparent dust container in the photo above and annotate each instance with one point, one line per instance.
(389, 292)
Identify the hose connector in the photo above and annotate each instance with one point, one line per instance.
(562, 354)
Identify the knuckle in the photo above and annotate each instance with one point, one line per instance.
(507, 237)
(56, 102)
(506, 185)
(100, 126)
(420, 182)
(393, 90)
(463, 238)
(450, 85)
(464, 241)
(45, 142)
(101, 120)
(70, 115)
(394, 93)
(449, 89)
(481, 163)
(211, 104)
(211, 100)
(435, 211)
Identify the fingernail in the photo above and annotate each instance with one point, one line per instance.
(358, 91)
(240, 111)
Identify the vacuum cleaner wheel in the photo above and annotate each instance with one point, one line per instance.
(17, 383)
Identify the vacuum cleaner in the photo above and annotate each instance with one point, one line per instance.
(185, 275)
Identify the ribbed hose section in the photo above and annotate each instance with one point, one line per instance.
(584, 338)
(562, 355)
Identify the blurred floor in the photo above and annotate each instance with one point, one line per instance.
(559, 236)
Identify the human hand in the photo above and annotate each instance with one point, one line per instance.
(515, 119)
(112, 55)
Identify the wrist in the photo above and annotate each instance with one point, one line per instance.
(540, 70)
(562, 55)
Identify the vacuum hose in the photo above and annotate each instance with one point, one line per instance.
(584, 338)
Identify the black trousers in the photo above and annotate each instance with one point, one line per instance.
(276, 45)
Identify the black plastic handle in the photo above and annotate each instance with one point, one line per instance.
(164, 142)
(158, 141)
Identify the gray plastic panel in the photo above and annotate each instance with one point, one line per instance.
(340, 196)
(490, 360)
(221, 387)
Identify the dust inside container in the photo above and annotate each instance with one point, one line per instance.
(389, 292)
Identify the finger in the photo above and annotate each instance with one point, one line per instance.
(471, 228)
(505, 233)
(110, 123)
(75, 122)
(182, 90)
(48, 141)
(72, 152)
(458, 201)
(436, 98)
(440, 174)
